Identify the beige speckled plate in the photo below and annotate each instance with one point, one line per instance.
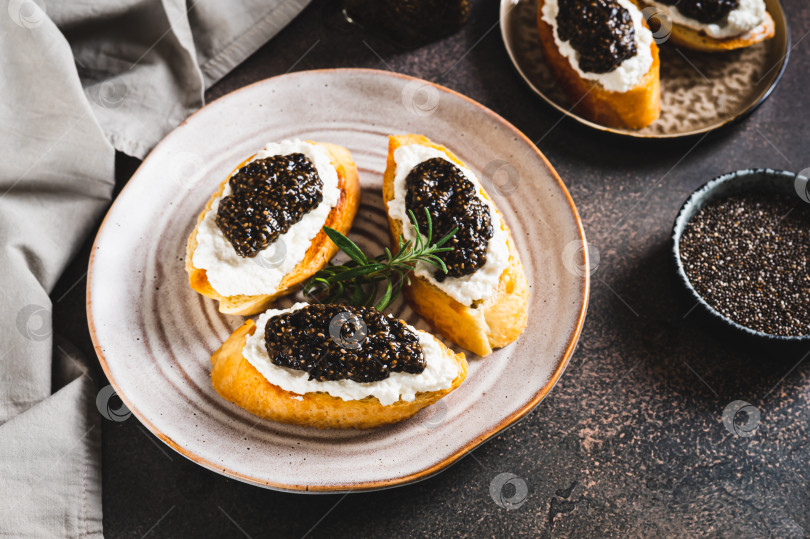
(700, 92)
(154, 335)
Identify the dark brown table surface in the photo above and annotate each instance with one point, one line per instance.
(631, 441)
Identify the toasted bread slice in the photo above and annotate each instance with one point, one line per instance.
(491, 323)
(318, 254)
(236, 380)
(699, 41)
(637, 108)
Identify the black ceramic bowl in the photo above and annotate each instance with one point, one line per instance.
(762, 180)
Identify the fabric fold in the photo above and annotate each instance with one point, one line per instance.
(80, 80)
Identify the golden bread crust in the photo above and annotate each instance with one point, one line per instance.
(320, 251)
(237, 381)
(634, 109)
(495, 322)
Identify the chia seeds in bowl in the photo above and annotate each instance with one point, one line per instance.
(742, 250)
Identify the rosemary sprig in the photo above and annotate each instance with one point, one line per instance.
(359, 280)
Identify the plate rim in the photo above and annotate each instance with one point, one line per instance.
(427, 472)
(741, 115)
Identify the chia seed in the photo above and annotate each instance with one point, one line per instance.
(748, 257)
(601, 31)
(267, 197)
(303, 340)
(452, 201)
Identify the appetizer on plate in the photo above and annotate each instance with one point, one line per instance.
(715, 25)
(481, 302)
(334, 366)
(261, 234)
(604, 57)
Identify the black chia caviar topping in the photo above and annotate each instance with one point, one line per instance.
(267, 197)
(343, 342)
(452, 201)
(601, 31)
(748, 256)
(705, 11)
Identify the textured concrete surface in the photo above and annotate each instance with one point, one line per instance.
(631, 442)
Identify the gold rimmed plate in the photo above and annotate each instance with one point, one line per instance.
(700, 92)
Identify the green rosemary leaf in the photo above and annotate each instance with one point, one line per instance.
(436, 261)
(337, 293)
(357, 295)
(429, 226)
(447, 238)
(372, 293)
(346, 245)
(418, 244)
(386, 299)
(397, 291)
(356, 272)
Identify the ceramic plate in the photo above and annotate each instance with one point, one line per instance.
(154, 335)
(699, 91)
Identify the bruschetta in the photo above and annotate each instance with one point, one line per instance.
(603, 55)
(481, 303)
(261, 234)
(334, 366)
(712, 25)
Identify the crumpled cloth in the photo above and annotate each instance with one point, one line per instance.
(80, 79)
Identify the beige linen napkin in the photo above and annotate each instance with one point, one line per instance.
(79, 79)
